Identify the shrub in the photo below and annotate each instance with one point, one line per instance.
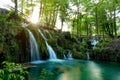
(13, 71)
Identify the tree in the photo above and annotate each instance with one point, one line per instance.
(16, 7)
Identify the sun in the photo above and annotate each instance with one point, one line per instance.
(35, 15)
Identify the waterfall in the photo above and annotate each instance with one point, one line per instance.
(24, 24)
(94, 42)
(52, 54)
(42, 35)
(33, 47)
(87, 55)
(68, 56)
(65, 56)
(48, 33)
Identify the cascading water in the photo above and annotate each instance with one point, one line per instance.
(48, 33)
(94, 42)
(65, 56)
(68, 56)
(87, 55)
(33, 47)
(52, 54)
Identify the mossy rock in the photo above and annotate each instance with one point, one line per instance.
(23, 42)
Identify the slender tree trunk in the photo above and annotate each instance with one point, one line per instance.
(53, 16)
(55, 13)
(77, 21)
(73, 25)
(62, 20)
(32, 6)
(114, 21)
(96, 16)
(50, 17)
(22, 4)
(87, 29)
(77, 27)
(103, 32)
(80, 24)
(41, 10)
(54, 20)
(47, 20)
(16, 7)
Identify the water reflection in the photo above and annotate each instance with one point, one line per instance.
(89, 71)
(117, 76)
(76, 70)
(92, 72)
(73, 74)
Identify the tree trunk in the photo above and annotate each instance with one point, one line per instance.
(22, 4)
(40, 12)
(77, 21)
(32, 8)
(50, 17)
(55, 13)
(114, 21)
(103, 32)
(73, 25)
(96, 16)
(16, 6)
(77, 27)
(80, 25)
(62, 20)
(87, 29)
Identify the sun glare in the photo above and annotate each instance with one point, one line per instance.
(6, 4)
(35, 15)
(58, 24)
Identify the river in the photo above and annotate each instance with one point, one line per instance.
(74, 70)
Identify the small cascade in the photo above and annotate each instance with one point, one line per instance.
(65, 56)
(94, 42)
(68, 56)
(52, 54)
(87, 56)
(24, 24)
(33, 47)
(42, 35)
(48, 33)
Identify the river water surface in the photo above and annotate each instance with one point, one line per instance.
(74, 70)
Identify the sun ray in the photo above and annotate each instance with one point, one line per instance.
(35, 15)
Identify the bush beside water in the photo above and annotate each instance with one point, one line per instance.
(13, 71)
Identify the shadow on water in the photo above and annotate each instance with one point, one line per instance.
(75, 70)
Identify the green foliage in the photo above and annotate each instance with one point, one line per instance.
(8, 44)
(2, 39)
(12, 16)
(81, 14)
(104, 52)
(13, 71)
